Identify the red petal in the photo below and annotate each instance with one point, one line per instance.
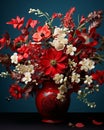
(37, 37)
(39, 28)
(62, 59)
(79, 125)
(61, 66)
(46, 63)
(14, 25)
(33, 23)
(97, 122)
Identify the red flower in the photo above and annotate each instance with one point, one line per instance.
(2, 42)
(99, 76)
(16, 91)
(83, 19)
(42, 33)
(31, 23)
(19, 39)
(23, 52)
(53, 62)
(68, 21)
(17, 23)
(85, 38)
(56, 15)
(5, 40)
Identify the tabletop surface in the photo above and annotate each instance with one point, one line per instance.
(32, 121)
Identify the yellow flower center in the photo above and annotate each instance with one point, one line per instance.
(53, 62)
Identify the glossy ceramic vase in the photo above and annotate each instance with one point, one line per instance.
(51, 109)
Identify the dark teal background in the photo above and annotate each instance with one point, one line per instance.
(10, 9)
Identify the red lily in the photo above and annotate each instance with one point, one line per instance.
(31, 23)
(17, 23)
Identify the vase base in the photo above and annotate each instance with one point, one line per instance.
(51, 121)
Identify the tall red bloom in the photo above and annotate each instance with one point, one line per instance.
(42, 33)
(17, 23)
(53, 62)
(68, 21)
(99, 76)
(16, 91)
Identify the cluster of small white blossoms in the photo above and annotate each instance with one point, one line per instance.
(75, 77)
(72, 64)
(59, 41)
(26, 70)
(87, 64)
(60, 79)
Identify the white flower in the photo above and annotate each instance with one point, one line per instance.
(14, 58)
(27, 77)
(87, 64)
(35, 42)
(72, 64)
(21, 68)
(58, 78)
(88, 79)
(70, 50)
(59, 32)
(75, 77)
(59, 43)
(79, 92)
(60, 97)
(62, 89)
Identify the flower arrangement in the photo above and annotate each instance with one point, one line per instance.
(66, 55)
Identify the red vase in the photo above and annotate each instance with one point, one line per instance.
(51, 109)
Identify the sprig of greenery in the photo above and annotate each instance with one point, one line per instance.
(4, 74)
(39, 13)
(82, 96)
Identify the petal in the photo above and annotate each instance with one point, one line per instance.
(39, 29)
(45, 62)
(36, 37)
(62, 59)
(61, 66)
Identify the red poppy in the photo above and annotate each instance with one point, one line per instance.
(16, 91)
(17, 23)
(53, 62)
(42, 33)
(99, 76)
